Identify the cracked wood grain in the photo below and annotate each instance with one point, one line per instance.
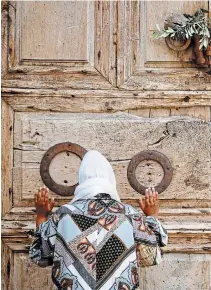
(7, 157)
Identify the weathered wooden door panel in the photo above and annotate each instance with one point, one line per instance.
(21, 273)
(182, 271)
(7, 156)
(66, 59)
(54, 45)
(145, 63)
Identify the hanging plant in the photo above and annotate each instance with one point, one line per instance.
(184, 26)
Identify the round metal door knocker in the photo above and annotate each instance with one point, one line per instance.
(149, 155)
(46, 161)
(177, 45)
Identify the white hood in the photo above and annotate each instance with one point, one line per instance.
(95, 176)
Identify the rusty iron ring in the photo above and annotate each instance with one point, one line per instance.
(171, 45)
(149, 155)
(46, 161)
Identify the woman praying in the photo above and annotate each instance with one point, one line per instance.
(97, 242)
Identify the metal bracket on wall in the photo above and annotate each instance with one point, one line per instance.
(150, 155)
(45, 163)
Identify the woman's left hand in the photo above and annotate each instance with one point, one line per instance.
(43, 204)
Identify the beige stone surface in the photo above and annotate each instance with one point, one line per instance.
(184, 140)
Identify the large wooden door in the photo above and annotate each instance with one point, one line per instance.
(88, 72)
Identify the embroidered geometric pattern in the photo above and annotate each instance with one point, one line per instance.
(97, 244)
(108, 255)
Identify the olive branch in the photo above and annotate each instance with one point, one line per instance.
(185, 26)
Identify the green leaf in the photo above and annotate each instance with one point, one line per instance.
(198, 24)
(203, 10)
(158, 27)
(206, 42)
(188, 16)
(201, 45)
(170, 29)
(207, 33)
(189, 32)
(156, 34)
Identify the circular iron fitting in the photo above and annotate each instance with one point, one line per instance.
(149, 155)
(183, 45)
(46, 161)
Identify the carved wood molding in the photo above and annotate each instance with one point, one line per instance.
(17, 236)
(97, 71)
(142, 64)
(100, 101)
(118, 57)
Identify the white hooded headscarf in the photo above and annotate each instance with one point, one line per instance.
(95, 176)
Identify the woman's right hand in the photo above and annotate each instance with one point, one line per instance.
(151, 205)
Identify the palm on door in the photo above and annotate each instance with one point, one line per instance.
(43, 204)
(151, 205)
